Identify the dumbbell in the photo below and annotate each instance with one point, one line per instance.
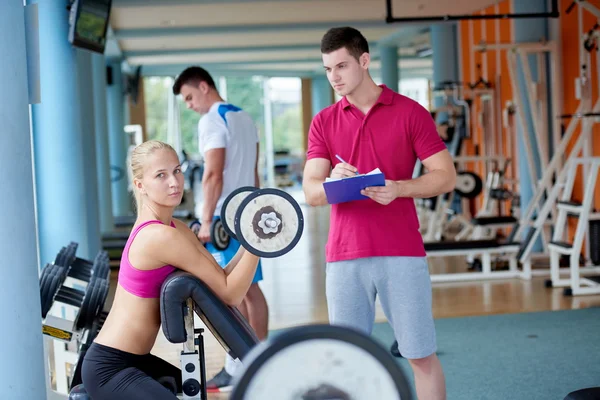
(267, 222)
(83, 269)
(218, 236)
(90, 301)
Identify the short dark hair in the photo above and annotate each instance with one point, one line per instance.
(345, 36)
(192, 75)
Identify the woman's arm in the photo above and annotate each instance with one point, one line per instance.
(234, 261)
(187, 232)
(173, 247)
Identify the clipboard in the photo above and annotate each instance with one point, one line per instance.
(348, 189)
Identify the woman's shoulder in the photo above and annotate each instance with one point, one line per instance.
(153, 231)
(179, 223)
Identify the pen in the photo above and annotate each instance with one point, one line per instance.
(342, 160)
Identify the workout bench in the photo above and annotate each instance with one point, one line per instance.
(182, 294)
(473, 248)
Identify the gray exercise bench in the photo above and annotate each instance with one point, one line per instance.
(182, 295)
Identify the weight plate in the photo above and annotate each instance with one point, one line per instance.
(269, 223)
(103, 296)
(468, 185)
(60, 257)
(231, 205)
(320, 362)
(93, 310)
(86, 304)
(45, 284)
(55, 281)
(218, 236)
(70, 254)
(195, 226)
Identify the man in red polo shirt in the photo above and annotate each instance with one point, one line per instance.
(374, 245)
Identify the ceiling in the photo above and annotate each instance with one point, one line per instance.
(276, 38)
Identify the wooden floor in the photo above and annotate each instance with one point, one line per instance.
(294, 286)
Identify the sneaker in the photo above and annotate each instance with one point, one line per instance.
(394, 350)
(221, 382)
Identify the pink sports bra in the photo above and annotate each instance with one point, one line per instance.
(142, 283)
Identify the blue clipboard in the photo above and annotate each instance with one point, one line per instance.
(348, 189)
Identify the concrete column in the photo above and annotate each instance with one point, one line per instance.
(101, 145)
(306, 110)
(528, 30)
(21, 346)
(389, 67)
(58, 140)
(118, 144)
(444, 43)
(321, 94)
(88, 130)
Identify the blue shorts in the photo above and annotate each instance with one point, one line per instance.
(223, 257)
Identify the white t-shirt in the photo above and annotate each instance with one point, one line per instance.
(227, 126)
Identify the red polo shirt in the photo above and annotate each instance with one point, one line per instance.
(391, 136)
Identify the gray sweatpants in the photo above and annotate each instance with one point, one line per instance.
(404, 288)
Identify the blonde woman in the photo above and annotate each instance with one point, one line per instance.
(118, 365)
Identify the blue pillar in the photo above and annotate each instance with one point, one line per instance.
(444, 43)
(58, 141)
(86, 103)
(22, 368)
(101, 145)
(321, 94)
(528, 30)
(389, 66)
(121, 201)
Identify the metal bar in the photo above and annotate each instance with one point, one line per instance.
(525, 46)
(189, 345)
(512, 69)
(534, 111)
(590, 7)
(554, 13)
(146, 33)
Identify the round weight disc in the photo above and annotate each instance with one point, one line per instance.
(320, 361)
(195, 226)
(468, 185)
(269, 223)
(219, 237)
(231, 205)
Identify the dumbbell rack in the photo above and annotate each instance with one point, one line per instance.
(73, 292)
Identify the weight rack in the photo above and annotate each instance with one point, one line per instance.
(73, 292)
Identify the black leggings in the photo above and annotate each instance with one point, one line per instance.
(108, 373)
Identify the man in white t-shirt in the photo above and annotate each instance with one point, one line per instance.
(228, 142)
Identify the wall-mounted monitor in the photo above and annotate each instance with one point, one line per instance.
(88, 23)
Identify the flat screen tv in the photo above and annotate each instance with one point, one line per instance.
(88, 23)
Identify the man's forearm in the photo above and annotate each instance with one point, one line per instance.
(430, 184)
(314, 192)
(212, 186)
